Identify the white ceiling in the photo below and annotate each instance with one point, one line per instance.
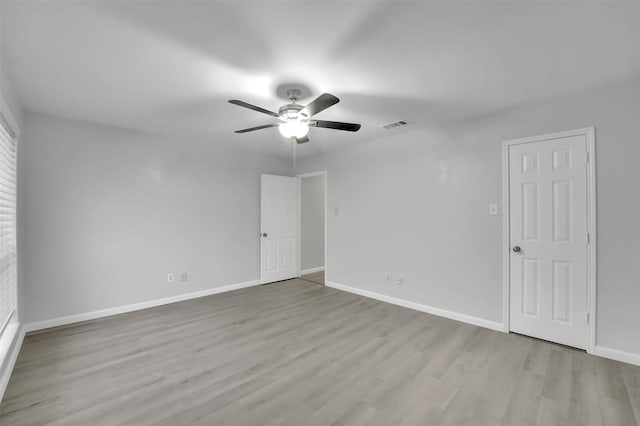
(170, 67)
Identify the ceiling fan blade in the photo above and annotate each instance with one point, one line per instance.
(251, 129)
(319, 104)
(253, 107)
(338, 125)
(303, 139)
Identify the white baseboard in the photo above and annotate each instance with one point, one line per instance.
(628, 357)
(498, 326)
(10, 362)
(56, 322)
(312, 270)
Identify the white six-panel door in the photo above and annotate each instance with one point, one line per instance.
(549, 240)
(279, 228)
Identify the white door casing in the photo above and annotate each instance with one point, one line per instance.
(548, 268)
(278, 228)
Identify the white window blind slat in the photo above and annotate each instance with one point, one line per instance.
(8, 285)
(6, 177)
(6, 165)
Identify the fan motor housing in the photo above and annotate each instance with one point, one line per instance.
(290, 111)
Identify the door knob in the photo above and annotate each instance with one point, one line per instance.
(517, 249)
(264, 234)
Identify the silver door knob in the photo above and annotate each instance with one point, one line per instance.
(517, 249)
(264, 234)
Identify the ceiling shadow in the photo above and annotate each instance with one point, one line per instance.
(219, 30)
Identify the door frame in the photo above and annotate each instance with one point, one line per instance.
(589, 133)
(326, 207)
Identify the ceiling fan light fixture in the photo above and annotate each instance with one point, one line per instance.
(293, 129)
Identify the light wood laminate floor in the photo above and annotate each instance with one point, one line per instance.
(296, 353)
(315, 277)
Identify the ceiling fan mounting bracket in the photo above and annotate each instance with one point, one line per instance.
(294, 94)
(283, 91)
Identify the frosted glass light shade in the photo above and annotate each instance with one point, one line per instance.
(293, 129)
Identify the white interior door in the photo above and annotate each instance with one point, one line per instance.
(279, 228)
(548, 236)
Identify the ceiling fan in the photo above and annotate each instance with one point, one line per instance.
(297, 119)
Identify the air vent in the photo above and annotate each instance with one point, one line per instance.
(395, 124)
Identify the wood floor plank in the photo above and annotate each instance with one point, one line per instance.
(314, 277)
(584, 383)
(296, 353)
(631, 376)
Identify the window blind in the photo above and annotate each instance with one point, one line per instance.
(8, 284)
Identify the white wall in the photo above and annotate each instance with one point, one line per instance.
(109, 212)
(416, 204)
(312, 222)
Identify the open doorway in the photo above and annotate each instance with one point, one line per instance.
(312, 202)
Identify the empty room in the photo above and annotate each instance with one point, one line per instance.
(319, 213)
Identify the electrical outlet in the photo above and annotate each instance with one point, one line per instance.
(183, 277)
(400, 280)
(388, 278)
(170, 278)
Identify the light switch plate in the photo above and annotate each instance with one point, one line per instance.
(493, 210)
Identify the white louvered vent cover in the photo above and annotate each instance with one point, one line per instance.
(8, 284)
(395, 124)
